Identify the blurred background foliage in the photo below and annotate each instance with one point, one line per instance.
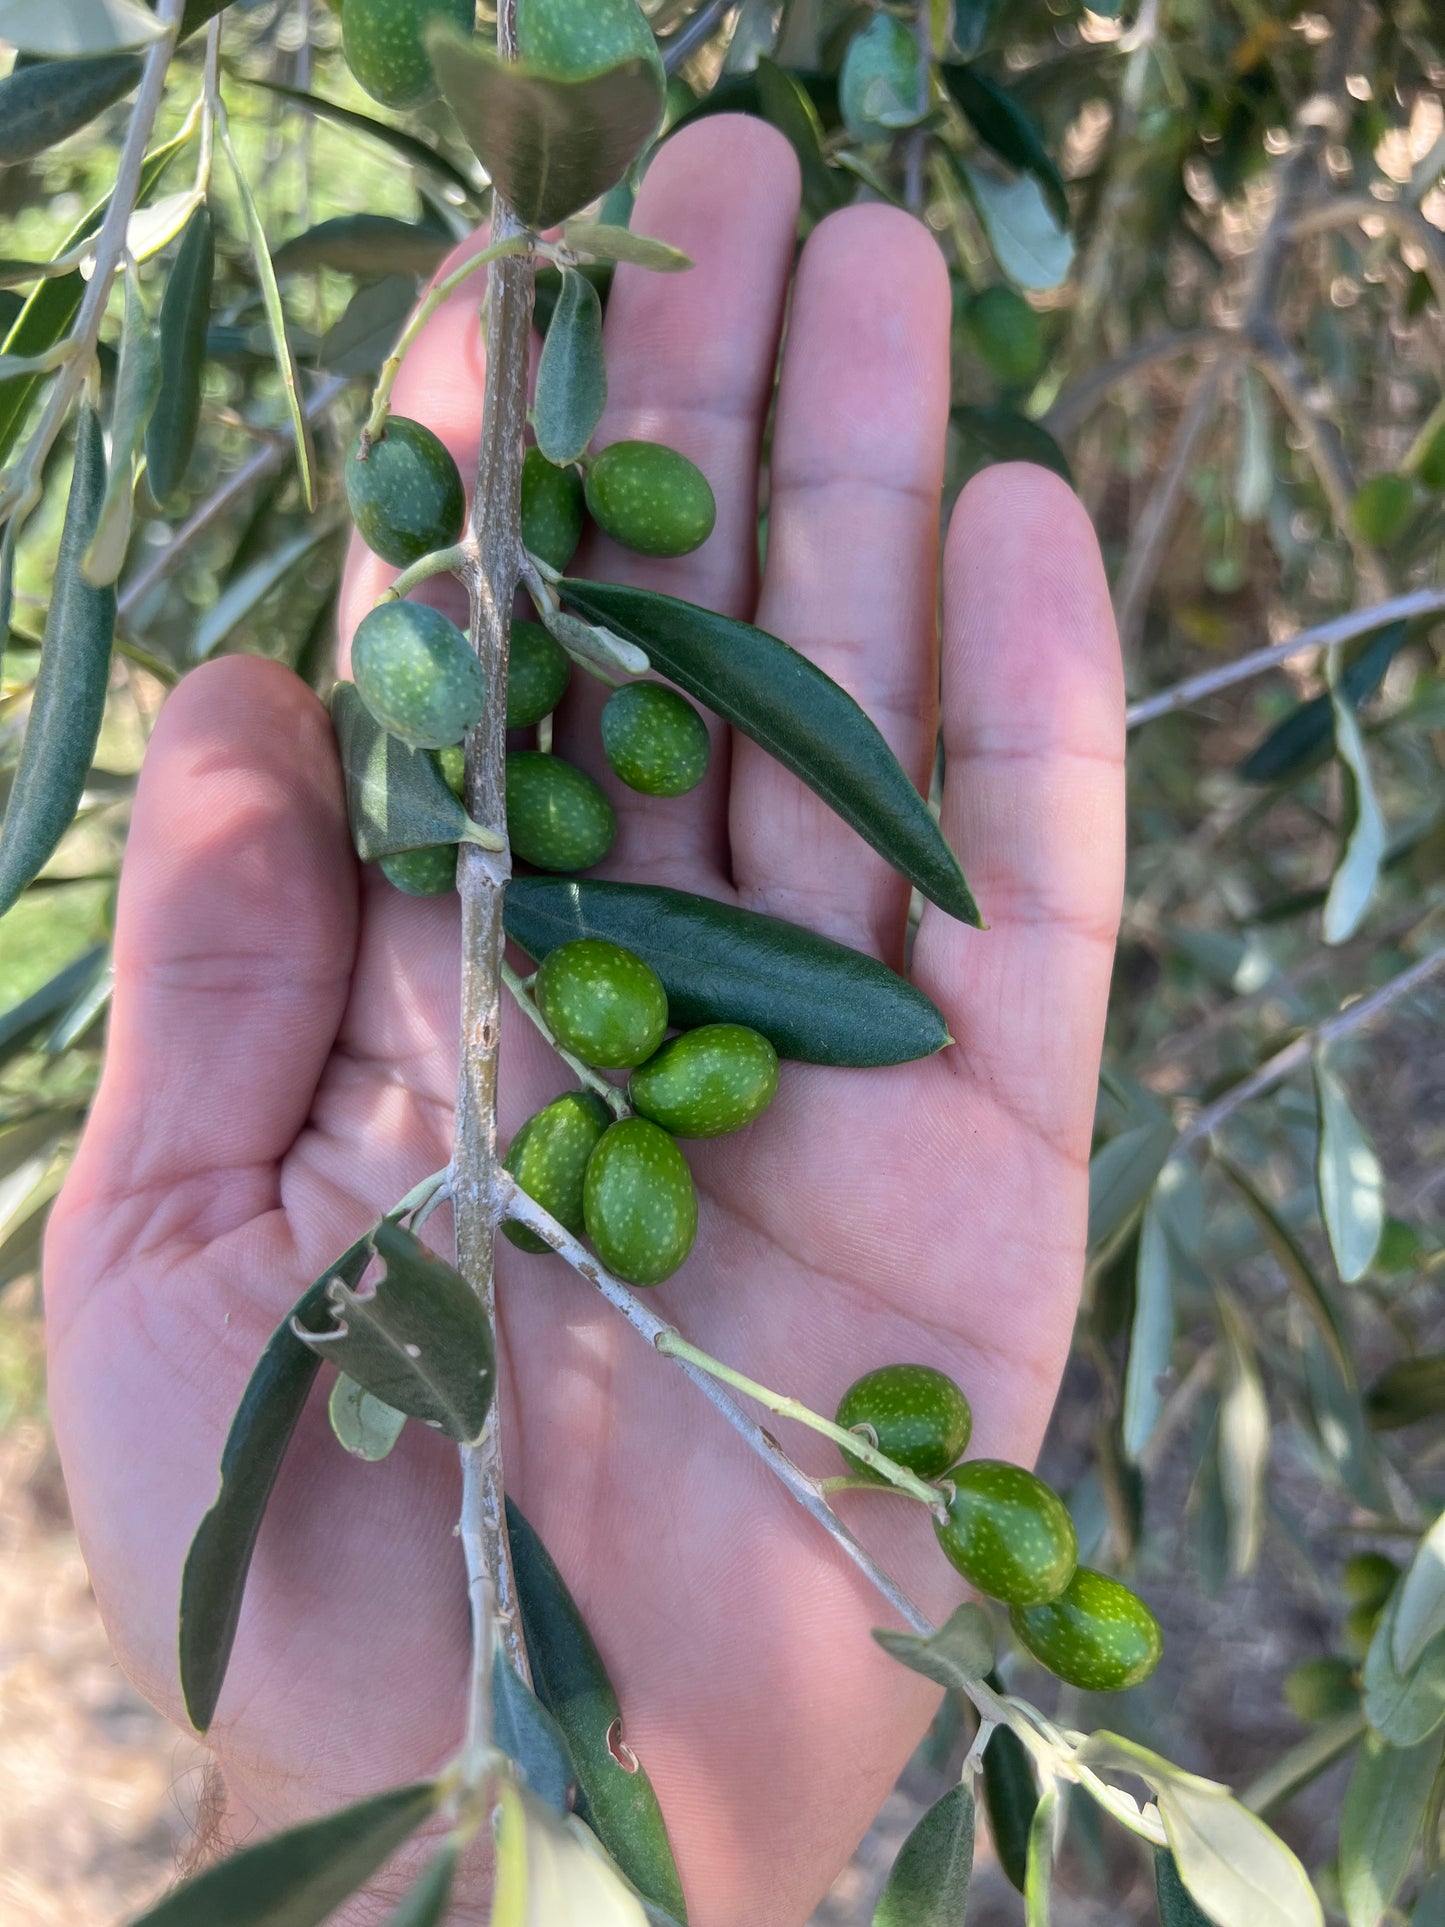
(1198, 259)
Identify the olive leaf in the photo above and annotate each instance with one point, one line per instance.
(137, 384)
(1151, 1336)
(603, 242)
(972, 20)
(20, 1023)
(1244, 1437)
(366, 1426)
(815, 1000)
(795, 712)
(1351, 1184)
(427, 1899)
(1380, 1822)
(1230, 1861)
(78, 27)
(927, 1885)
(185, 316)
(1306, 737)
(69, 701)
(1003, 435)
(882, 86)
(1405, 1704)
(1039, 1871)
(406, 145)
(1029, 242)
(396, 798)
(46, 103)
(785, 102)
(549, 145)
(299, 1878)
(365, 332)
(956, 1654)
(571, 374)
(1122, 1173)
(363, 244)
(1009, 129)
(244, 593)
(528, 1734)
(1177, 1906)
(1294, 1262)
(1419, 1614)
(1011, 1798)
(1314, 1755)
(571, 1682)
(1358, 872)
(420, 1339)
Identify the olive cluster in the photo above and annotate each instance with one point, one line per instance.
(420, 678)
(623, 1181)
(1008, 1533)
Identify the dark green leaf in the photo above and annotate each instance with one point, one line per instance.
(1314, 1755)
(883, 85)
(20, 1023)
(1403, 1394)
(1176, 1905)
(928, 1884)
(528, 1734)
(76, 1021)
(956, 1654)
(365, 333)
(297, 1879)
(1351, 1185)
(572, 374)
(137, 384)
(425, 1902)
(786, 104)
(1404, 1706)
(396, 798)
(406, 145)
(550, 146)
(69, 700)
(1306, 737)
(548, 289)
(1013, 134)
(367, 245)
(1011, 1796)
(420, 1339)
(1003, 435)
(43, 104)
(571, 1682)
(185, 314)
(815, 1000)
(1292, 1260)
(1122, 1173)
(245, 593)
(1029, 242)
(1380, 1822)
(796, 713)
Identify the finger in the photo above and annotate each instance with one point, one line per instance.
(233, 950)
(857, 470)
(690, 361)
(1033, 725)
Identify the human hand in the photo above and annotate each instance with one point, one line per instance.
(282, 1065)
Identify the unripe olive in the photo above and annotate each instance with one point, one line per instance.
(537, 674)
(654, 739)
(558, 818)
(452, 762)
(551, 509)
(417, 674)
(919, 1418)
(429, 872)
(650, 498)
(707, 1082)
(1008, 1533)
(639, 1202)
(548, 1158)
(406, 497)
(1007, 334)
(1097, 1635)
(1321, 1689)
(1382, 509)
(601, 1002)
(574, 39)
(385, 44)
(1369, 1578)
(1360, 1624)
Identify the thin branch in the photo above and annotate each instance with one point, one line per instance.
(1403, 219)
(591, 1080)
(1077, 400)
(915, 152)
(694, 32)
(1296, 1055)
(1327, 635)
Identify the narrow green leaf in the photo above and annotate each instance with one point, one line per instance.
(396, 798)
(796, 713)
(7, 587)
(549, 145)
(1301, 1764)
(244, 593)
(786, 104)
(1244, 1438)
(956, 1654)
(1003, 435)
(1230, 1861)
(75, 1021)
(1351, 1184)
(882, 85)
(571, 1682)
(1010, 130)
(400, 142)
(1358, 872)
(1306, 737)
(1337, 1416)
(20, 1023)
(1405, 1392)
(603, 242)
(76, 28)
(1039, 1876)
(528, 1734)
(1011, 1798)
(137, 385)
(1293, 1261)
(1255, 467)
(1151, 1339)
(572, 374)
(364, 244)
(1029, 243)
(1122, 1173)
(815, 1000)
(365, 332)
(1429, 1910)
(185, 316)
(1380, 1822)
(296, 1879)
(1177, 1907)
(1404, 1706)
(69, 701)
(43, 105)
(1419, 1615)
(275, 320)
(928, 1883)
(420, 1339)
(366, 1426)
(426, 1901)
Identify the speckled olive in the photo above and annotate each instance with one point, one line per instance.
(918, 1417)
(557, 816)
(1369, 1578)
(654, 739)
(650, 498)
(417, 674)
(601, 1002)
(1097, 1635)
(573, 39)
(1006, 333)
(1008, 1533)
(385, 44)
(639, 1202)
(551, 509)
(430, 872)
(548, 1158)
(406, 498)
(707, 1082)
(452, 762)
(537, 674)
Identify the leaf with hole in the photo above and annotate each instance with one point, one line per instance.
(396, 798)
(1029, 242)
(795, 712)
(1351, 1184)
(571, 374)
(957, 1654)
(137, 385)
(43, 104)
(1010, 130)
(927, 1885)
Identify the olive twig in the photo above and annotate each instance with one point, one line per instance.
(845, 1484)
(584, 1073)
(449, 561)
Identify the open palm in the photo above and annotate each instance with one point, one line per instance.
(282, 1065)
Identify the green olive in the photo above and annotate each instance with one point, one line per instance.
(558, 818)
(654, 739)
(1097, 1635)
(1008, 1533)
(1007, 334)
(601, 1002)
(406, 497)
(707, 1082)
(548, 1158)
(417, 674)
(428, 872)
(917, 1415)
(639, 1202)
(650, 498)
(537, 674)
(551, 509)
(385, 44)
